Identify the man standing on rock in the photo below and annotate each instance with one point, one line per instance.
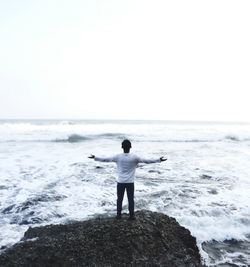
(126, 165)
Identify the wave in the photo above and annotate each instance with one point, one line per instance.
(116, 136)
(238, 248)
(233, 138)
(226, 138)
(73, 138)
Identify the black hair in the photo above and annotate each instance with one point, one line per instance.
(126, 144)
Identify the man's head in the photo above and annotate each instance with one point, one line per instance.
(126, 145)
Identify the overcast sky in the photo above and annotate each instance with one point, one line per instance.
(172, 60)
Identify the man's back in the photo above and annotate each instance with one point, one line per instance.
(126, 165)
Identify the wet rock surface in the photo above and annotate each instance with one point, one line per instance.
(153, 239)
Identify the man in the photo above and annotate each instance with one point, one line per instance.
(126, 165)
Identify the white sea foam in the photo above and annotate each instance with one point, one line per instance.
(46, 177)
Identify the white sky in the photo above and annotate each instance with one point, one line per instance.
(172, 60)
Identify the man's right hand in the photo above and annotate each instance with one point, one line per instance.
(163, 159)
(91, 157)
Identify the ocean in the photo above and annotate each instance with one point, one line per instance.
(46, 177)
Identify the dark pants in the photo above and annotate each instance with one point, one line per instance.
(130, 193)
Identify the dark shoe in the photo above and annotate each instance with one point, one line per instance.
(118, 217)
(131, 218)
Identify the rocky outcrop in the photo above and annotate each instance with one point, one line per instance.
(153, 239)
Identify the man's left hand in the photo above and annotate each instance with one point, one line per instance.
(163, 159)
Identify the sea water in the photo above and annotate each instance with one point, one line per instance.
(46, 177)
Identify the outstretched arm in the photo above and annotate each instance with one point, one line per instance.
(148, 161)
(109, 159)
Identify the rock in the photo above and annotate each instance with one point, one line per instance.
(153, 239)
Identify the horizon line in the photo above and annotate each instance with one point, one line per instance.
(127, 120)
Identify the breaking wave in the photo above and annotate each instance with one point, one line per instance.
(81, 131)
(235, 138)
(73, 138)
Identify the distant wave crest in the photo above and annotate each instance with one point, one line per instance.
(233, 138)
(79, 137)
(73, 138)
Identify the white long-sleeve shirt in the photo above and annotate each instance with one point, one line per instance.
(126, 165)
